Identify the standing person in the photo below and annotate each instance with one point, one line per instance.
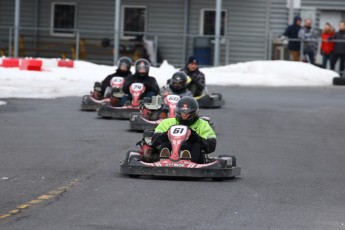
(339, 48)
(124, 65)
(309, 36)
(141, 75)
(326, 46)
(202, 139)
(291, 32)
(197, 85)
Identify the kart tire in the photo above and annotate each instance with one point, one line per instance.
(219, 96)
(131, 157)
(339, 81)
(226, 156)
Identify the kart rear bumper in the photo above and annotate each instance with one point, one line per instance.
(134, 168)
(108, 111)
(211, 101)
(137, 123)
(88, 104)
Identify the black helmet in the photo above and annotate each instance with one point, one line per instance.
(178, 82)
(124, 64)
(142, 67)
(187, 111)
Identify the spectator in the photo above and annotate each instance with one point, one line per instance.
(326, 46)
(197, 84)
(309, 36)
(339, 48)
(291, 32)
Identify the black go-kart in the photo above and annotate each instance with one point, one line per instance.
(108, 110)
(154, 111)
(149, 162)
(210, 100)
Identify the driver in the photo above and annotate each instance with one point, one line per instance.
(197, 85)
(123, 70)
(141, 75)
(178, 85)
(202, 139)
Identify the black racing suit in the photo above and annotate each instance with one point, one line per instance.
(106, 82)
(150, 83)
(197, 84)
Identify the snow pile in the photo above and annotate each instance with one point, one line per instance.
(56, 81)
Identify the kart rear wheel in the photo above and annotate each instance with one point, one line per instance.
(130, 156)
(230, 160)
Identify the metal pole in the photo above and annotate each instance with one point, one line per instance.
(291, 11)
(267, 32)
(117, 30)
(10, 42)
(16, 27)
(77, 45)
(185, 31)
(227, 51)
(270, 47)
(156, 49)
(217, 34)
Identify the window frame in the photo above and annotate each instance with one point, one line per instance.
(202, 18)
(62, 34)
(128, 37)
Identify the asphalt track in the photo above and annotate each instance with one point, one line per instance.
(59, 167)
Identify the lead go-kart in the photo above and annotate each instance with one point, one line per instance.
(155, 110)
(92, 101)
(148, 162)
(109, 110)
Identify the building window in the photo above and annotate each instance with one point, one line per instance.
(208, 20)
(133, 21)
(63, 19)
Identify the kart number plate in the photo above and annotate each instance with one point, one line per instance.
(178, 130)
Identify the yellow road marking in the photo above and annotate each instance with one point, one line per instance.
(35, 201)
(45, 197)
(48, 196)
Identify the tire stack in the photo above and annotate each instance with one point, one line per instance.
(339, 80)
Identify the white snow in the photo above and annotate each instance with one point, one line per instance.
(53, 81)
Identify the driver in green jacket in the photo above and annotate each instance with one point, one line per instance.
(202, 138)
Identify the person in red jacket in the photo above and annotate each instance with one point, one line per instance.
(327, 47)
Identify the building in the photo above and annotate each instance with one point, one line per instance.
(174, 29)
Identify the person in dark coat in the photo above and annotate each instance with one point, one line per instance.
(339, 48)
(123, 70)
(197, 84)
(291, 32)
(141, 75)
(310, 41)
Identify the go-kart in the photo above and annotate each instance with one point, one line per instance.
(148, 162)
(154, 111)
(95, 99)
(210, 100)
(109, 110)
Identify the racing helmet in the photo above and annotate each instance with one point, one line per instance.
(178, 82)
(187, 111)
(142, 67)
(124, 64)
